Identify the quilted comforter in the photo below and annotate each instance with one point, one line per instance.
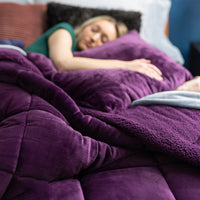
(74, 136)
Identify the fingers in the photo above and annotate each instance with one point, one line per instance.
(152, 71)
(144, 66)
(152, 66)
(154, 74)
(156, 69)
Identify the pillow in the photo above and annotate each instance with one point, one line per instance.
(22, 22)
(75, 15)
(17, 43)
(114, 89)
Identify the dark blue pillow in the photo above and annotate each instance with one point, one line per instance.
(14, 42)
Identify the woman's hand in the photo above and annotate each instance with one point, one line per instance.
(192, 85)
(144, 66)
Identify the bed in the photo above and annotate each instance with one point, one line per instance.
(75, 135)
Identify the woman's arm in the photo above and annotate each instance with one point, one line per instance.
(60, 43)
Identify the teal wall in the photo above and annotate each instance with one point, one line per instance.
(184, 25)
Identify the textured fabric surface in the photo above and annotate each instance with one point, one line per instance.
(22, 22)
(55, 146)
(76, 15)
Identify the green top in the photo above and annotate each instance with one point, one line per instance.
(41, 44)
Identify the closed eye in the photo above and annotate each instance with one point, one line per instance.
(95, 28)
(104, 39)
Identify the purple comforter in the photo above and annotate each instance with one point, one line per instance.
(73, 135)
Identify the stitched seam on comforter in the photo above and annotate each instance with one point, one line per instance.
(25, 125)
(163, 174)
(82, 188)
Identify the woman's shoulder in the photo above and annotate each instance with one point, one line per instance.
(63, 25)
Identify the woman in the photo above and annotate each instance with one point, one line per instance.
(58, 43)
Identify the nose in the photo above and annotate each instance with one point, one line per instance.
(96, 39)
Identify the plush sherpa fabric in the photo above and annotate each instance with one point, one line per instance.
(75, 15)
(52, 148)
(73, 135)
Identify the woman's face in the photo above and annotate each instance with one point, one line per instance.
(96, 34)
